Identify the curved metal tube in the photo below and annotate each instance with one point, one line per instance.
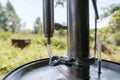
(95, 8)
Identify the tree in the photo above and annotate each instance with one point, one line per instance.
(38, 26)
(110, 10)
(3, 18)
(112, 31)
(13, 19)
(9, 20)
(113, 10)
(115, 21)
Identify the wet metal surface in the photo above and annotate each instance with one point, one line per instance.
(107, 74)
(52, 73)
(43, 73)
(35, 72)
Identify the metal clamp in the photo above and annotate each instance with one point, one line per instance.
(56, 60)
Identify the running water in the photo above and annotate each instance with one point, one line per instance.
(60, 69)
(99, 54)
(49, 49)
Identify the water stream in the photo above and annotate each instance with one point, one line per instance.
(59, 68)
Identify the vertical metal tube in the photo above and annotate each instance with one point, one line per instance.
(96, 17)
(78, 34)
(95, 48)
(48, 17)
(78, 28)
(99, 54)
(95, 8)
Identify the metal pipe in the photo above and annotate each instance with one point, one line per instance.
(96, 17)
(95, 8)
(48, 18)
(48, 22)
(95, 45)
(78, 34)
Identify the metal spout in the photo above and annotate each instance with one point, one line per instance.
(48, 17)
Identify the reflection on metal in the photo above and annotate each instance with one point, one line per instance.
(78, 34)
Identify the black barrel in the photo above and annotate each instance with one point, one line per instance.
(40, 70)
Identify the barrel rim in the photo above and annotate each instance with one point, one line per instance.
(12, 71)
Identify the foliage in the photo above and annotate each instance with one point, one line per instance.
(110, 10)
(111, 33)
(38, 26)
(115, 21)
(9, 20)
(114, 39)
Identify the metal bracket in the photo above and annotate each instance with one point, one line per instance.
(56, 60)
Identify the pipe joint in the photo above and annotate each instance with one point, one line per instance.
(56, 60)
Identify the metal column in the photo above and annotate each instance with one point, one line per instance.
(78, 34)
(48, 17)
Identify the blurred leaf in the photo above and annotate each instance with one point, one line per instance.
(110, 10)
